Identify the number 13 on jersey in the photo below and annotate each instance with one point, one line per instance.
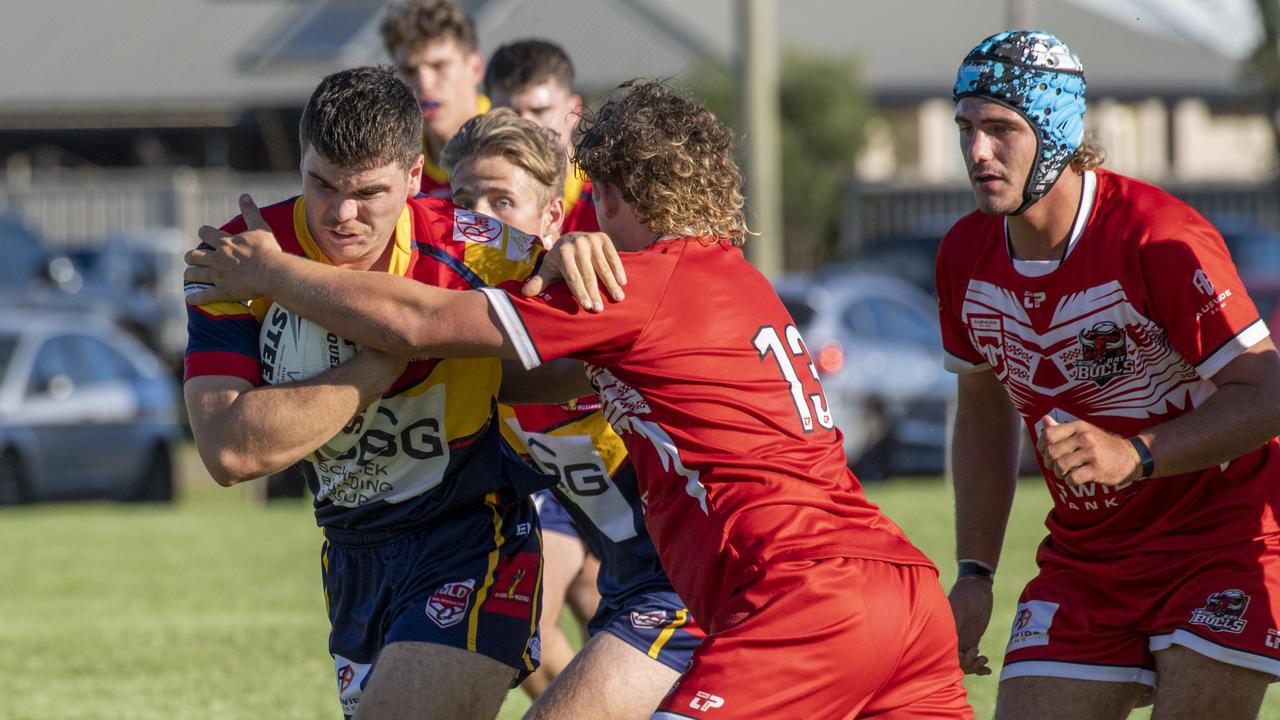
(766, 342)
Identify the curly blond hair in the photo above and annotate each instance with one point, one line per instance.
(670, 158)
(1089, 155)
(416, 23)
(502, 133)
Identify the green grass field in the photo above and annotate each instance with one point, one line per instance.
(211, 608)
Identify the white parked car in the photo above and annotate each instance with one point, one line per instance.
(875, 342)
(85, 411)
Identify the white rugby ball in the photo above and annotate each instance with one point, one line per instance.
(292, 348)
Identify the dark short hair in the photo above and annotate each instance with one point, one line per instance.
(415, 23)
(362, 118)
(523, 63)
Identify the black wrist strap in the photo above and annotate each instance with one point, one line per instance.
(973, 568)
(1144, 456)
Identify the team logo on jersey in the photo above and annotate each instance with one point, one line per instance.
(988, 338)
(650, 620)
(1104, 353)
(1031, 624)
(477, 229)
(1202, 282)
(515, 585)
(1031, 300)
(519, 245)
(350, 676)
(1223, 612)
(448, 605)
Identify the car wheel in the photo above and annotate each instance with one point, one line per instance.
(14, 489)
(156, 483)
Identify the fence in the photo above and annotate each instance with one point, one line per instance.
(79, 211)
(73, 211)
(878, 213)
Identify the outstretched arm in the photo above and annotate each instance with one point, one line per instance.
(390, 313)
(387, 312)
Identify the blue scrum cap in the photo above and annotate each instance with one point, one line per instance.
(1036, 75)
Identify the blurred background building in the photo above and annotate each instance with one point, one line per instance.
(126, 125)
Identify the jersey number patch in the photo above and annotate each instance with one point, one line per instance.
(768, 342)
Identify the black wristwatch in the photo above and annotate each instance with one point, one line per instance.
(973, 568)
(1144, 456)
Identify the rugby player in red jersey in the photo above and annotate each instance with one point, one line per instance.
(641, 635)
(1106, 318)
(747, 495)
(433, 46)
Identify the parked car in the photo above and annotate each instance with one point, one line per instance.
(875, 344)
(21, 255)
(135, 278)
(85, 411)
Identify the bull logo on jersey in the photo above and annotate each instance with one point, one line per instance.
(448, 605)
(1223, 612)
(1104, 353)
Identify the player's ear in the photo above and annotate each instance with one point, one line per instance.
(475, 64)
(415, 176)
(553, 217)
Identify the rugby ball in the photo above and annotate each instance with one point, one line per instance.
(292, 348)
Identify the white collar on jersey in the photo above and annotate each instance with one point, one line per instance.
(1040, 268)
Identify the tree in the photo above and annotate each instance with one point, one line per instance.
(825, 107)
(1264, 64)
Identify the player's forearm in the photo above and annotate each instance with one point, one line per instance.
(268, 428)
(984, 455)
(387, 312)
(1242, 414)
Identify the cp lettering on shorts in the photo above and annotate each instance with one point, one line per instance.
(703, 701)
(1031, 624)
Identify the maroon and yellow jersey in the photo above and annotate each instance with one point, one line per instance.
(418, 456)
(1125, 332)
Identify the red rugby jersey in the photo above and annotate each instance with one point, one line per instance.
(1125, 332)
(704, 376)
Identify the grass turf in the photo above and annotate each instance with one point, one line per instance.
(211, 608)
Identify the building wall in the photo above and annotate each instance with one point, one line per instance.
(1182, 142)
